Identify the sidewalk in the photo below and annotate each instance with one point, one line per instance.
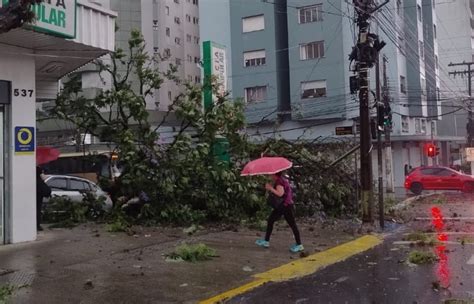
(89, 265)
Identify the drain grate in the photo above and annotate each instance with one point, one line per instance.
(19, 278)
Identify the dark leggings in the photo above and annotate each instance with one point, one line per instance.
(288, 213)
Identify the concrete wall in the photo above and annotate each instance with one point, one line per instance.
(22, 187)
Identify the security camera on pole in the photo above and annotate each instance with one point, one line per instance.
(365, 55)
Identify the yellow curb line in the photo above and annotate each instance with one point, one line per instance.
(302, 267)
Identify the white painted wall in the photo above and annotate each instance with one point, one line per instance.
(21, 71)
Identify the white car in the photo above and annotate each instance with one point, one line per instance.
(74, 187)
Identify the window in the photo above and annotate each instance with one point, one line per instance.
(195, 20)
(188, 38)
(176, 1)
(190, 58)
(436, 62)
(167, 53)
(197, 79)
(312, 50)
(197, 60)
(77, 185)
(253, 24)
(190, 78)
(418, 10)
(405, 124)
(155, 50)
(403, 84)
(178, 61)
(435, 34)
(311, 13)
(196, 2)
(254, 58)
(423, 126)
(167, 10)
(196, 40)
(188, 18)
(417, 126)
(169, 95)
(177, 20)
(399, 6)
(57, 184)
(423, 85)
(422, 50)
(313, 89)
(155, 25)
(255, 94)
(177, 41)
(168, 32)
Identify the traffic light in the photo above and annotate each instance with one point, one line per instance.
(431, 150)
(384, 117)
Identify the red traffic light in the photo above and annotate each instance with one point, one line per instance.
(431, 150)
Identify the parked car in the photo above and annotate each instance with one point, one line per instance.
(438, 178)
(74, 188)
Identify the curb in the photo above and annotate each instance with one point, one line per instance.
(302, 267)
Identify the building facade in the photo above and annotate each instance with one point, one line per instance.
(171, 32)
(32, 60)
(321, 36)
(455, 35)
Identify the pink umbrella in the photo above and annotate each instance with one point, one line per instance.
(266, 166)
(46, 154)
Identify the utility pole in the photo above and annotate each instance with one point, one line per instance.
(380, 117)
(470, 125)
(388, 130)
(282, 60)
(468, 72)
(365, 54)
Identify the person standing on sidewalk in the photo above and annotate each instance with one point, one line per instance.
(282, 205)
(42, 191)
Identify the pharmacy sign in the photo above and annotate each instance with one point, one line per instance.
(54, 17)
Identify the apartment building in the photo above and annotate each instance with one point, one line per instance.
(321, 36)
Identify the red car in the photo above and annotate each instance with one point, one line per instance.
(438, 178)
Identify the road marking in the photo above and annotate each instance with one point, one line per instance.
(302, 267)
(471, 260)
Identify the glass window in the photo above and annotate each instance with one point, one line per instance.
(57, 183)
(419, 12)
(311, 13)
(313, 89)
(444, 172)
(312, 50)
(403, 84)
(77, 185)
(256, 94)
(254, 58)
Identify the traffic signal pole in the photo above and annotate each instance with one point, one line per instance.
(379, 144)
(365, 56)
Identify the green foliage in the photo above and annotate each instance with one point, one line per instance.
(63, 213)
(6, 291)
(119, 224)
(193, 253)
(421, 257)
(183, 180)
(421, 239)
(316, 189)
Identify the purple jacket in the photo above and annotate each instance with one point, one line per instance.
(288, 191)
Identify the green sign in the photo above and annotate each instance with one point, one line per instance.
(54, 17)
(215, 67)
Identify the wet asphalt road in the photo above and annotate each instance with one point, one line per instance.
(383, 274)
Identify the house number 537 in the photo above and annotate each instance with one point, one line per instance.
(23, 92)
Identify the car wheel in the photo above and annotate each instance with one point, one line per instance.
(416, 188)
(468, 187)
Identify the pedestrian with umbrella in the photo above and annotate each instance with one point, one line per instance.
(280, 196)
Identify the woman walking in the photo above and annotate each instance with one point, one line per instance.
(282, 202)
